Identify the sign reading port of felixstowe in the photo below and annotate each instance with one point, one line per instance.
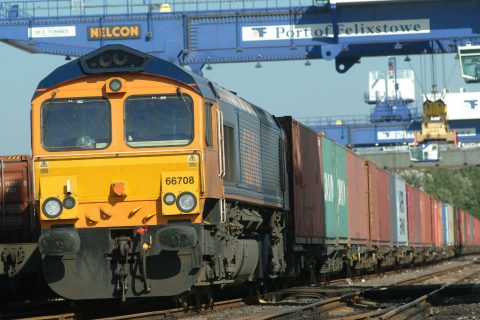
(131, 31)
(345, 29)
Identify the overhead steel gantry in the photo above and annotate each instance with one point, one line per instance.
(199, 32)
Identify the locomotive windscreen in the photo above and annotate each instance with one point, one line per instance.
(76, 124)
(165, 120)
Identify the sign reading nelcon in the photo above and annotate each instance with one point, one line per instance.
(131, 31)
(346, 29)
(52, 32)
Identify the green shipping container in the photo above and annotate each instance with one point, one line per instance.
(335, 192)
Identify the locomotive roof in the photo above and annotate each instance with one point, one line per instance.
(140, 63)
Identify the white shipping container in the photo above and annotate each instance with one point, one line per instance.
(451, 229)
(401, 211)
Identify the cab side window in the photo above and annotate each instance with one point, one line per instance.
(208, 124)
(230, 156)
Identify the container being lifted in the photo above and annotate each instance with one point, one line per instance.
(434, 123)
(434, 129)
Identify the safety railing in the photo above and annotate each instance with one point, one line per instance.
(67, 8)
(415, 112)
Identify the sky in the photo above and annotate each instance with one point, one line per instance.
(282, 88)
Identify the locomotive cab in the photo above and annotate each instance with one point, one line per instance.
(121, 146)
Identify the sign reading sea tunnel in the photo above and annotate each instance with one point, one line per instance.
(131, 31)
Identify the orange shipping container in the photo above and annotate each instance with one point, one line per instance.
(306, 182)
(17, 223)
(357, 189)
(379, 204)
(426, 218)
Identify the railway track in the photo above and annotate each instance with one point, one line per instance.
(314, 301)
(354, 300)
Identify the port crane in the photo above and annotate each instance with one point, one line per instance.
(199, 32)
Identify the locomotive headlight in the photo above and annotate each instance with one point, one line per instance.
(68, 202)
(52, 207)
(186, 202)
(115, 85)
(169, 198)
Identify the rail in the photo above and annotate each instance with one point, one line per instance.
(317, 309)
(67, 8)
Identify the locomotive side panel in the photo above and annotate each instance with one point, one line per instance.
(252, 152)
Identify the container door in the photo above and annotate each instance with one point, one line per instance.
(393, 211)
(383, 205)
(410, 214)
(342, 194)
(401, 211)
(329, 187)
(444, 223)
(357, 190)
(335, 192)
(373, 204)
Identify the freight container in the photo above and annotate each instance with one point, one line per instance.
(379, 204)
(335, 192)
(306, 182)
(445, 224)
(426, 218)
(455, 218)
(462, 226)
(472, 230)
(398, 209)
(413, 216)
(437, 223)
(16, 210)
(475, 230)
(357, 190)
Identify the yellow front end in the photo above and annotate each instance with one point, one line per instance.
(122, 190)
(122, 182)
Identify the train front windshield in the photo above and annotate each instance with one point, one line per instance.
(160, 120)
(80, 124)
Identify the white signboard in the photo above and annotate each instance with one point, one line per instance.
(463, 105)
(346, 29)
(394, 135)
(52, 32)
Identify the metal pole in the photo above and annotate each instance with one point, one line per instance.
(4, 214)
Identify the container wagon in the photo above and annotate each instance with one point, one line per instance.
(19, 255)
